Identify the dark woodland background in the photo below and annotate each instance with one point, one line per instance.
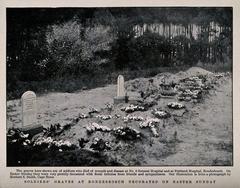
(67, 49)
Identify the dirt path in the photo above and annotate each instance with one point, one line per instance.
(207, 136)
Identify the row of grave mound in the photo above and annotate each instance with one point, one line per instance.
(47, 140)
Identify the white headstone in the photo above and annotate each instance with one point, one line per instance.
(29, 109)
(120, 86)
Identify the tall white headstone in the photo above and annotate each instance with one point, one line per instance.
(121, 94)
(120, 86)
(29, 109)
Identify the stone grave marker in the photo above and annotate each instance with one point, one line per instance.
(29, 113)
(120, 86)
(121, 95)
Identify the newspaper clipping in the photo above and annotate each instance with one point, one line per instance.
(119, 94)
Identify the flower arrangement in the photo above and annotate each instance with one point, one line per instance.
(83, 116)
(109, 107)
(151, 123)
(132, 108)
(96, 127)
(100, 145)
(104, 117)
(93, 110)
(117, 116)
(175, 105)
(126, 133)
(162, 114)
(16, 136)
(49, 142)
(132, 118)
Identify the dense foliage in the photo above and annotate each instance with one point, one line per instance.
(74, 49)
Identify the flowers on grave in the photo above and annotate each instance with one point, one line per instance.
(104, 117)
(191, 93)
(162, 114)
(126, 133)
(16, 136)
(93, 110)
(182, 98)
(22, 135)
(168, 93)
(15, 140)
(61, 143)
(192, 79)
(43, 141)
(207, 86)
(132, 108)
(175, 105)
(193, 82)
(109, 107)
(187, 95)
(151, 123)
(27, 142)
(100, 145)
(83, 116)
(117, 116)
(16, 133)
(132, 118)
(92, 127)
(219, 75)
(49, 142)
(168, 89)
(154, 132)
(193, 88)
(165, 86)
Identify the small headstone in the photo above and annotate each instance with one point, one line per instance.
(29, 113)
(120, 86)
(121, 95)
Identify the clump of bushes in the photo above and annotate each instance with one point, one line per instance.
(74, 49)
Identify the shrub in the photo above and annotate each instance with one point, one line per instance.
(149, 50)
(74, 49)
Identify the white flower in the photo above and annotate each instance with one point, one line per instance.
(151, 123)
(154, 131)
(24, 135)
(82, 116)
(68, 143)
(175, 105)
